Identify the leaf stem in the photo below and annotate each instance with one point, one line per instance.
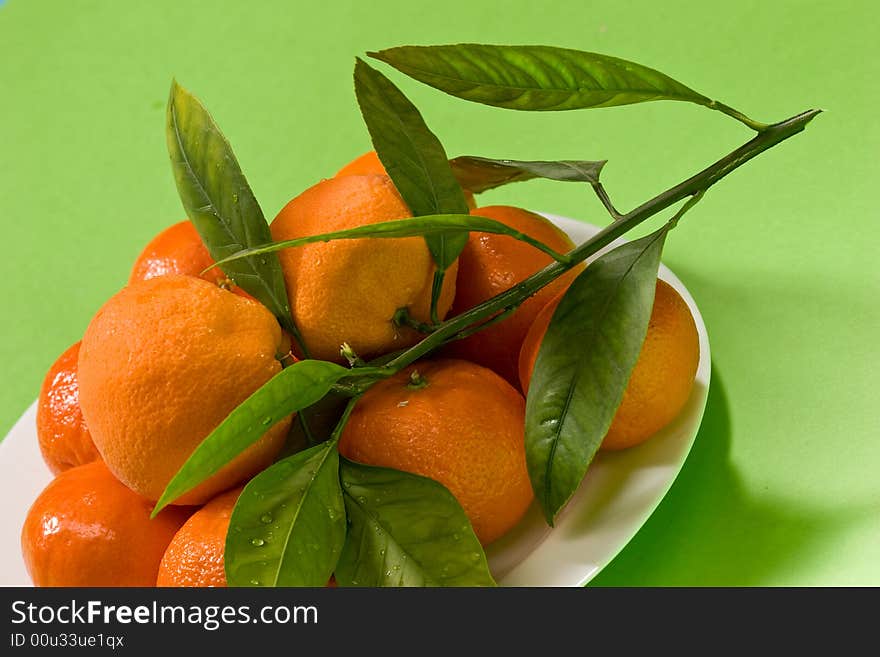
(307, 431)
(343, 419)
(436, 289)
(599, 188)
(691, 202)
(692, 187)
(757, 126)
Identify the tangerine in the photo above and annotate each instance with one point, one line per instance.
(179, 249)
(194, 556)
(662, 378)
(162, 364)
(457, 423)
(64, 438)
(88, 529)
(369, 163)
(350, 290)
(491, 264)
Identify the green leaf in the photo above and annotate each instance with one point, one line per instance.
(288, 526)
(293, 388)
(480, 174)
(429, 226)
(535, 77)
(412, 155)
(406, 530)
(219, 201)
(583, 366)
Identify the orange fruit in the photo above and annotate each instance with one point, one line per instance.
(87, 529)
(532, 343)
(457, 423)
(662, 378)
(179, 250)
(491, 264)
(369, 163)
(349, 290)
(162, 363)
(195, 555)
(362, 165)
(64, 438)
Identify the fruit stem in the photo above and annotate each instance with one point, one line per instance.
(403, 318)
(692, 187)
(349, 354)
(416, 381)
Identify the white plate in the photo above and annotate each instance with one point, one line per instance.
(619, 493)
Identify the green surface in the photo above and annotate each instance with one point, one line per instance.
(782, 485)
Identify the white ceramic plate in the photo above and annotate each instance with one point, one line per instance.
(619, 493)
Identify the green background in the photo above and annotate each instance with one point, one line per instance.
(782, 485)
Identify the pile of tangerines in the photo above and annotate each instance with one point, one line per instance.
(167, 358)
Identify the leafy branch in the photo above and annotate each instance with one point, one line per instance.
(196, 470)
(274, 402)
(695, 185)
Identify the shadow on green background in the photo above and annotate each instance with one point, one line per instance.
(747, 537)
